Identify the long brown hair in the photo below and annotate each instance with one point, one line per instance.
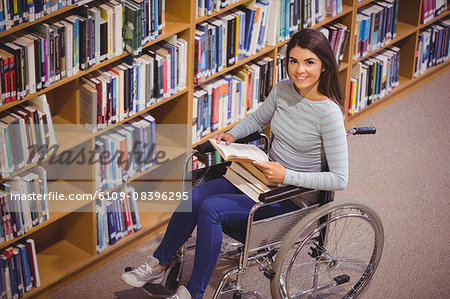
(329, 81)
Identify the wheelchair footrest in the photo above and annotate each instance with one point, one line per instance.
(341, 279)
(157, 290)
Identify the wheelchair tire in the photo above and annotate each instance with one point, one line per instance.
(331, 253)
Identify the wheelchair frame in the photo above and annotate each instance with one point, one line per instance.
(289, 235)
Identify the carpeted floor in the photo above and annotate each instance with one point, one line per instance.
(402, 172)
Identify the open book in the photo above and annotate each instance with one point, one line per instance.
(239, 152)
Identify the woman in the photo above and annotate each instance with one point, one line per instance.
(305, 115)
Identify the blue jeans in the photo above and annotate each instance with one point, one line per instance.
(215, 205)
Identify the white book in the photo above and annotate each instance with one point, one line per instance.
(88, 107)
(68, 47)
(118, 24)
(195, 121)
(94, 12)
(273, 23)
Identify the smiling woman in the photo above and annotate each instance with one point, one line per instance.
(312, 67)
(308, 149)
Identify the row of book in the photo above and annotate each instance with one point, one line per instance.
(338, 35)
(231, 97)
(26, 135)
(23, 204)
(144, 21)
(232, 36)
(49, 51)
(19, 271)
(315, 11)
(432, 47)
(125, 151)
(121, 89)
(376, 25)
(374, 78)
(432, 8)
(206, 7)
(13, 13)
(116, 218)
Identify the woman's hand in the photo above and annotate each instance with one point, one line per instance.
(273, 171)
(228, 138)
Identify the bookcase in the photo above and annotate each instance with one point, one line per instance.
(66, 243)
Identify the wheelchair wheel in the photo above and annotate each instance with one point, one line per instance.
(331, 253)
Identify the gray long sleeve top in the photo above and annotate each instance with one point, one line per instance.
(308, 137)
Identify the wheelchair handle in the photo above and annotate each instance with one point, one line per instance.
(362, 131)
(206, 146)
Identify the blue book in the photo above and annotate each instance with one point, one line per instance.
(152, 122)
(155, 18)
(111, 223)
(4, 277)
(208, 7)
(229, 79)
(213, 51)
(8, 253)
(18, 267)
(249, 20)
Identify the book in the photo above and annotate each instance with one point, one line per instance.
(239, 152)
(249, 189)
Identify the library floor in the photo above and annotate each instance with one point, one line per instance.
(402, 172)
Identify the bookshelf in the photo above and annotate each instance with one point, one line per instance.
(66, 243)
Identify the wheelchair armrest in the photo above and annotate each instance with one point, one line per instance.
(206, 146)
(282, 193)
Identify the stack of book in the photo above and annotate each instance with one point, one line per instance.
(242, 173)
(374, 78)
(121, 89)
(231, 97)
(230, 37)
(19, 271)
(337, 34)
(116, 217)
(26, 135)
(24, 204)
(125, 151)
(432, 8)
(432, 47)
(376, 25)
(13, 13)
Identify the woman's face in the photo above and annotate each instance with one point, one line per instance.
(304, 69)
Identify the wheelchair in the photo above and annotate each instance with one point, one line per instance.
(329, 249)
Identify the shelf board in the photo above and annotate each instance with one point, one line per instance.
(63, 260)
(215, 13)
(439, 17)
(54, 216)
(403, 30)
(359, 5)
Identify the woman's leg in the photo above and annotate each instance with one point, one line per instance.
(216, 211)
(182, 224)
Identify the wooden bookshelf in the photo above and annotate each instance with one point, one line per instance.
(66, 243)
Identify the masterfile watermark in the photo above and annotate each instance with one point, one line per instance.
(80, 156)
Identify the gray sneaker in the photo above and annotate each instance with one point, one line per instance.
(145, 273)
(182, 293)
